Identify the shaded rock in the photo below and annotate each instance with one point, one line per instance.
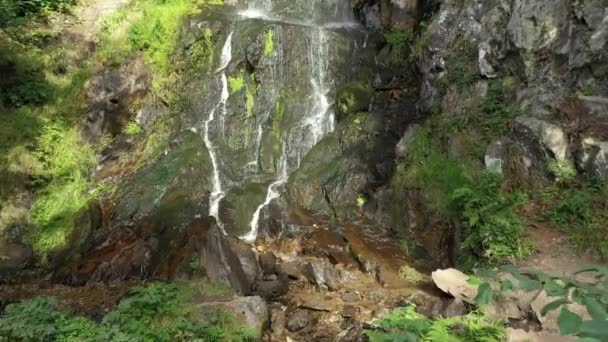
(14, 256)
(293, 269)
(496, 156)
(268, 263)
(299, 320)
(251, 312)
(552, 136)
(353, 98)
(230, 261)
(520, 335)
(350, 297)
(270, 289)
(349, 311)
(110, 97)
(455, 308)
(594, 158)
(406, 139)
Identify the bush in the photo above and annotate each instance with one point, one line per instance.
(158, 312)
(405, 324)
(491, 228)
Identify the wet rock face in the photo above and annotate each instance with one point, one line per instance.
(392, 15)
(14, 256)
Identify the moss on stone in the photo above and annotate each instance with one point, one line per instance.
(352, 98)
(268, 42)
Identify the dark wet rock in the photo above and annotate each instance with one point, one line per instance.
(14, 256)
(299, 320)
(402, 15)
(271, 289)
(329, 244)
(238, 206)
(268, 262)
(110, 97)
(251, 312)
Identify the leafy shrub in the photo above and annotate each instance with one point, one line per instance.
(563, 170)
(132, 128)
(491, 228)
(581, 212)
(592, 294)
(158, 312)
(405, 324)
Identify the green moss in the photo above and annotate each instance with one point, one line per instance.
(461, 63)
(268, 42)
(353, 98)
(236, 83)
(133, 128)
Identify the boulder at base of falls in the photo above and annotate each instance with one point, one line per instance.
(250, 312)
(13, 256)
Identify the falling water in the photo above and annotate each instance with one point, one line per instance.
(217, 194)
(314, 125)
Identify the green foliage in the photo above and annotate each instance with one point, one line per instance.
(236, 83)
(491, 228)
(563, 170)
(133, 128)
(11, 11)
(404, 46)
(428, 168)
(591, 293)
(581, 212)
(158, 312)
(461, 63)
(405, 324)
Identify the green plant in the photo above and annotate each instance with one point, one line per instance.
(132, 128)
(592, 294)
(268, 42)
(158, 312)
(563, 170)
(491, 228)
(194, 265)
(405, 324)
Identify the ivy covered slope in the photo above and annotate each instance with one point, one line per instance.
(56, 64)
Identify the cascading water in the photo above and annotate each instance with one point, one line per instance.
(315, 124)
(271, 100)
(216, 192)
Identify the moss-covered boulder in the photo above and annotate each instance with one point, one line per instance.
(352, 98)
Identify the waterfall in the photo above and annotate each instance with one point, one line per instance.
(314, 125)
(217, 193)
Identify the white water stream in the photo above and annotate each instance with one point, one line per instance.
(217, 193)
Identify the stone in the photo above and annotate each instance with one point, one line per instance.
(549, 321)
(454, 282)
(455, 308)
(230, 261)
(406, 139)
(251, 312)
(550, 135)
(268, 263)
(14, 256)
(495, 158)
(277, 322)
(594, 158)
(349, 311)
(293, 269)
(350, 297)
(270, 289)
(323, 273)
(299, 320)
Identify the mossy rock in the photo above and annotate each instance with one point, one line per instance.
(352, 98)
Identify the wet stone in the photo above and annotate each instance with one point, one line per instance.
(350, 297)
(349, 311)
(268, 263)
(292, 269)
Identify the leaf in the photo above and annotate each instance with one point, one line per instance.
(484, 294)
(554, 289)
(528, 284)
(553, 305)
(569, 322)
(506, 285)
(486, 273)
(595, 309)
(474, 281)
(595, 328)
